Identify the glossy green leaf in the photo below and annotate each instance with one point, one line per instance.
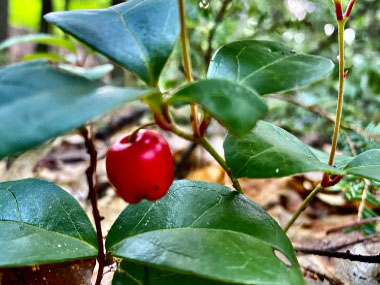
(269, 151)
(340, 161)
(130, 273)
(235, 106)
(41, 223)
(207, 230)
(139, 35)
(41, 39)
(38, 102)
(366, 164)
(267, 67)
(93, 73)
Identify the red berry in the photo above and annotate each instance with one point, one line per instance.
(143, 168)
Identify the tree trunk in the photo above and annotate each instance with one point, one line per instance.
(3, 19)
(115, 2)
(67, 5)
(47, 7)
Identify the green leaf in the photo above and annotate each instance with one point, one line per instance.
(139, 35)
(41, 39)
(340, 161)
(41, 223)
(267, 67)
(132, 273)
(366, 164)
(43, 55)
(209, 231)
(93, 73)
(269, 151)
(38, 102)
(233, 105)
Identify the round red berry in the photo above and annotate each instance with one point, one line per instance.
(142, 168)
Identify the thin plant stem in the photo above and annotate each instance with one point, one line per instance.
(339, 107)
(303, 206)
(93, 193)
(187, 64)
(205, 143)
(208, 147)
(363, 201)
(341, 24)
(133, 135)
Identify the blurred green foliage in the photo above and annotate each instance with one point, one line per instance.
(26, 13)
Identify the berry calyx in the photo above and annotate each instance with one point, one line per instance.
(142, 168)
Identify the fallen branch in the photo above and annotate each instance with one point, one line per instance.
(342, 255)
(373, 238)
(352, 225)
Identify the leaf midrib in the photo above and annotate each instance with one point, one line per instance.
(50, 231)
(196, 228)
(138, 44)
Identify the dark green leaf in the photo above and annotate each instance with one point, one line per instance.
(139, 35)
(366, 164)
(269, 151)
(41, 223)
(38, 102)
(207, 230)
(267, 67)
(340, 161)
(136, 274)
(233, 105)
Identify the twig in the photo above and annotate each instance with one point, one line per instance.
(93, 193)
(218, 19)
(319, 111)
(322, 276)
(346, 244)
(342, 255)
(303, 206)
(353, 224)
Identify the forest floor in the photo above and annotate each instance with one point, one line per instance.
(64, 161)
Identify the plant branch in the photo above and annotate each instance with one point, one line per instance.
(349, 9)
(339, 107)
(303, 206)
(206, 145)
(187, 64)
(218, 19)
(93, 193)
(343, 255)
(353, 224)
(373, 238)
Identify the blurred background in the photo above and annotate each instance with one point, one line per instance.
(307, 26)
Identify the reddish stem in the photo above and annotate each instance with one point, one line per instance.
(338, 11)
(349, 9)
(93, 193)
